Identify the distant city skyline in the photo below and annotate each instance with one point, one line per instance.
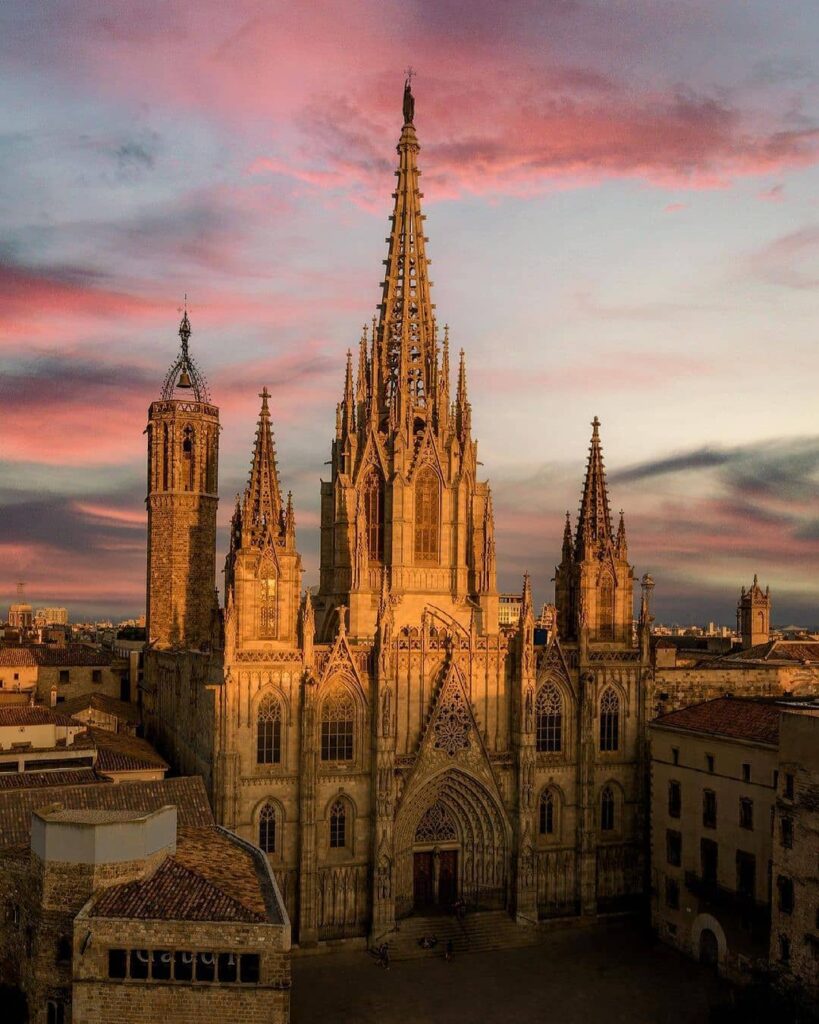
(622, 222)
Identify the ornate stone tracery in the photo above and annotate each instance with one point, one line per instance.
(435, 826)
(453, 724)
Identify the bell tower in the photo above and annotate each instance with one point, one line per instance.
(594, 583)
(183, 456)
(754, 615)
(404, 502)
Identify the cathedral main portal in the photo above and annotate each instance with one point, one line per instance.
(452, 844)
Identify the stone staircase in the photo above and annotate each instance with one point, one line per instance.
(478, 932)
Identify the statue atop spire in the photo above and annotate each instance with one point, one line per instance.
(409, 99)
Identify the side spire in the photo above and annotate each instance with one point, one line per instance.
(262, 511)
(594, 522)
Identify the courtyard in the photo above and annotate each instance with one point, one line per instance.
(606, 973)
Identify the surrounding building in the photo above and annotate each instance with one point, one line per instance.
(103, 712)
(716, 769)
(37, 741)
(53, 674)
(387, 744)
(509, 606)
(795, 875)
(21, 614)
(127, 903)
(51, 617)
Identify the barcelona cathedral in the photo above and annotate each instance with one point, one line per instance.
(385, 741)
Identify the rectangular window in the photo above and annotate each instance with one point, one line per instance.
(64, 677)
(228, 967)
(709, 853)
(205, 966)
(674, 799)
(784, 887)
(117, 963)
(709, 762)
(183, 966)
(784, 948)
(675, 755)
(788, 786)
(746, 773)
(709, 808)
(96, 675)
(786, 832)
(673, 847)
(746, 874)
(161, 964)
(249, 968)
(140, 958)
(746, 813)
(672, 894)
(337, 740)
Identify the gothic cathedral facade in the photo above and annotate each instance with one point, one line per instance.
(386, 743)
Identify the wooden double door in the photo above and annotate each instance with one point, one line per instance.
(435, 878)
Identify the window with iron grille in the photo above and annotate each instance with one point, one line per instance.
(549, 723)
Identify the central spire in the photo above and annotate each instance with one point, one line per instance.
(406, 329)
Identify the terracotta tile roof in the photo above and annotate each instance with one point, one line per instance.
(212, 877)
(33, 714)
(188, 794)
(50, 655)
(119, 752)
(778, 651)
(733, 717)
(41, 780)
(120, 709)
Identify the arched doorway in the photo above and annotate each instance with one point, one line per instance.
(709, 948)
(452, 841)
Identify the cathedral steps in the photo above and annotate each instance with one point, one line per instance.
(477, 933)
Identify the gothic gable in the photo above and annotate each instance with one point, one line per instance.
(552, 664)
(426, 455)
(372, 454)
(342, 663)
(451, 739)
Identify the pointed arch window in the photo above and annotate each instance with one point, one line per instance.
(605, 627)
(609, 720)
(549, 724)
(338, 825)
(269, 732)
(427, 516)
(267, 828)
(607, 809)
(547, 813)
(374, 510)
(338, 726)
(188, 461)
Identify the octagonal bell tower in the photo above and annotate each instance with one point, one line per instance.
(183, 456)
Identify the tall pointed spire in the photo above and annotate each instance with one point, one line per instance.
(568, 544)
(404, 340)
(620, 545)
(594, 522)
(262, 513)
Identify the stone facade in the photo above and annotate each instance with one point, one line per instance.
(385, 741)
(795, 875)
(111, 912)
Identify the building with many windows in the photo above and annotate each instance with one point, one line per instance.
(388, 744)
(795, 874)
(719, 770)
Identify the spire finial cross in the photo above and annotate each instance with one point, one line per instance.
(264, 394)
(410, 73)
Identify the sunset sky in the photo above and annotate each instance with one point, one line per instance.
(623, 213)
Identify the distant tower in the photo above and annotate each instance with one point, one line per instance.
(594, 582)
(754, 615)
(183, 450)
